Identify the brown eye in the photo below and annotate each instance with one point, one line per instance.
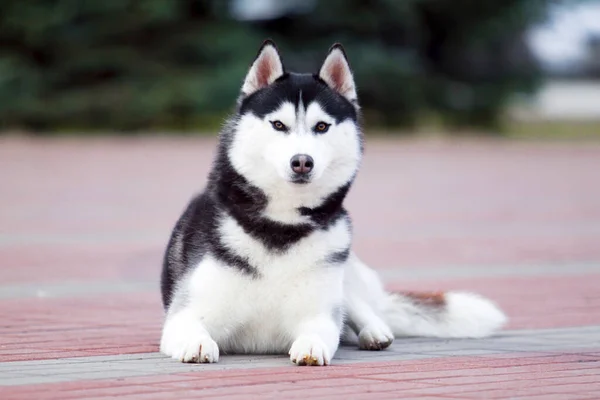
(321, 127)
(278, 126)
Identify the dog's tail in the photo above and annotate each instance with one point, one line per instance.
(442, 315)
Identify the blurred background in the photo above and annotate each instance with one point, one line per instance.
(494, 66)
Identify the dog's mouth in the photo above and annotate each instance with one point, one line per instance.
(300, 179)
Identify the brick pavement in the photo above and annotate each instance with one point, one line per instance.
(83, 224)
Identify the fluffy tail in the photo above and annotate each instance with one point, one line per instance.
(442, 315)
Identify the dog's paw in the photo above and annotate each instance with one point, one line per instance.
(309, 350)
(375, 337)
(201, 349)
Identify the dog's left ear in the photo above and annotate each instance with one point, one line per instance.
(265, 69)
(336, 72)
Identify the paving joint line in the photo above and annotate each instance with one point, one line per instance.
(90, 288)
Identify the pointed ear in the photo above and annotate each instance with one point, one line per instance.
(265, 69)
(336, 72)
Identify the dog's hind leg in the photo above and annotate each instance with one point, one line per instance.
(362, 291)
(443, 314)
(373, 333)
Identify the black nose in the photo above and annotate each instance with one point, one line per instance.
(302, 163)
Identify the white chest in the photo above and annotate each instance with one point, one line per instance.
(260, 314)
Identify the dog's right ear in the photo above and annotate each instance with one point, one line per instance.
(265, 69)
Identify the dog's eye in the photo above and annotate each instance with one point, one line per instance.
(322, 127)
(279, 126)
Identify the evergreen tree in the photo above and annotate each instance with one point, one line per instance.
(126, 64)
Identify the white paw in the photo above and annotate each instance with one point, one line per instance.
(200, 349)
(309, 350)
(375, 337)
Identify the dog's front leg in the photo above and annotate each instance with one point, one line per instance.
(316, 342)
(186, 339)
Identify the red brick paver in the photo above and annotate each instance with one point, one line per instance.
(130, 323)
(79, 217)
(452, 377)
(110, 203)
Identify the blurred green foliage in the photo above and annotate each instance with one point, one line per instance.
(178, 64)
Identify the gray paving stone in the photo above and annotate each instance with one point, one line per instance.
(33, 380)
(547, 341)
(476, 271)
(73, 289)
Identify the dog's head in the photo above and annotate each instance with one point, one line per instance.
(296, 135)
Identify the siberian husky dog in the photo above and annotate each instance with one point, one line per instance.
(261, 261)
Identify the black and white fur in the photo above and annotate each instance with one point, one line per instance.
(261, 261)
